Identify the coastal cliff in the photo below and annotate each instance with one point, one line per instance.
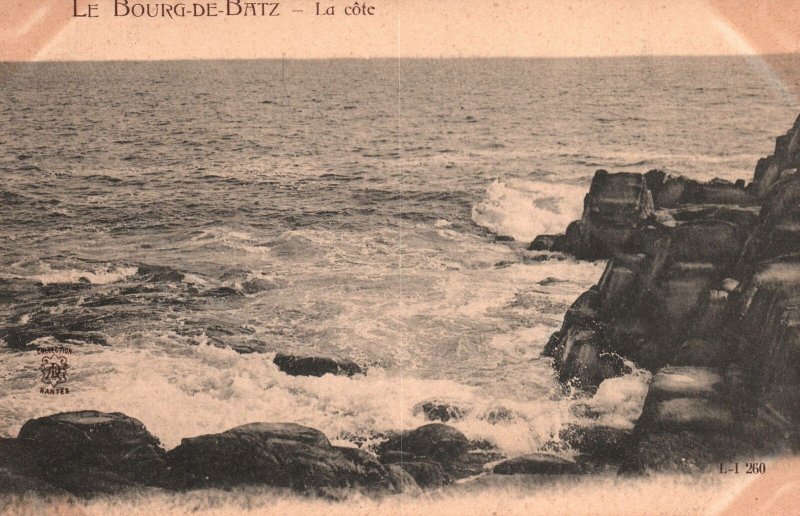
(702, 288)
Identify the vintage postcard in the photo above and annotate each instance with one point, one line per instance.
(399, 257)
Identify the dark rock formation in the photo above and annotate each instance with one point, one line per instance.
(427, 474)
(12, 483)
(273, 454)
(554, 243)
(160, 273)
(315, 365)
(702, 287)
(613, 210)
(86, 453)
(439, 411)
(537, 464)
(437, 441)
(783, 163)
(437, 444)
(598, 443)
(402, 481)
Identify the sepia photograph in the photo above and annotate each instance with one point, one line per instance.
(399, 257)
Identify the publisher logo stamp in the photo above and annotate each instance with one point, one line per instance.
(54, 368)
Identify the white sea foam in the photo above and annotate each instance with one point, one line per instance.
(523, 209)
(99, 276)
(178, 390)
(230, 238)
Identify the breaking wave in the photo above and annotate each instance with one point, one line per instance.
(523, 209)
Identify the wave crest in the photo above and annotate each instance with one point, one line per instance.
(523, 209)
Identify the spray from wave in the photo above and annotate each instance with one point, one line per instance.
(523, 209)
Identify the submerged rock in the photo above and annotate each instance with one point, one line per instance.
(295, 365)
(160, 273)
(554, 243)
(503, 238)
(439, 411)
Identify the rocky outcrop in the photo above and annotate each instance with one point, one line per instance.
(85, 453)
(295, 365)
(783, 163)
(274, 454)
(439, 411)
(436, 454)
(89, 453)
(537, 464)
(702, 287)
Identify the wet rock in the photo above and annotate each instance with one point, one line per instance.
(686, 452)
(221, 292)
(691, 414)
(537, 464)
(744, 217)
(55, 290)
(600, 443)
(368, 469)
(18, 337)
(615, 207)
(427, 474)
(295, 365)
(678, 296)
(392, 456)
(439, 411)
(19, 456)
(274, 454)
(574, 238)
(437, 441)
(255, 285)
(402, 480)
(685, 382)
(707, 241)
(553, 343)
(87, 452)
(554, 243)
(729, 285)
(14, 484)
(701, 353)
(499, 415)
(584, 311)
(617, 290)
(581, 361)
(655, 181)
(672, 193)
(550, 280)
(718, 191)
(159, 274)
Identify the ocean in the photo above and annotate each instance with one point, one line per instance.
(176, 224)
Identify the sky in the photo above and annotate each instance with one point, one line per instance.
(47, 30)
